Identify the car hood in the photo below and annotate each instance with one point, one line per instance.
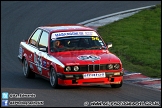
(86, 57)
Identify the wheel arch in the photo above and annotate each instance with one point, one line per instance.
(24, 57)
(53, 65)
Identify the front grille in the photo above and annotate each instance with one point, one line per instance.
(91, 68)
(103, 67)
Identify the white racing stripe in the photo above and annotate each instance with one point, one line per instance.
(43, 54)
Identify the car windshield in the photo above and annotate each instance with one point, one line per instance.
(77, 43)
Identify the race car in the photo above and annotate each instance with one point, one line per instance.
(70, 55)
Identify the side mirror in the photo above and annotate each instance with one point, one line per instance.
(109, 44)
(43, 48)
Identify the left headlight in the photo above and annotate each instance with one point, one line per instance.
(76, 68)
(110, 66)
(116, 66)
(113, 66)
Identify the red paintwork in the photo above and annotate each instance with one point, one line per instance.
(71, 56)
(92, 81)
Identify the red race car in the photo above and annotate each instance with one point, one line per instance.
(70, 55)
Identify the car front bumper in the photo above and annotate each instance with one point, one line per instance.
(78, 80)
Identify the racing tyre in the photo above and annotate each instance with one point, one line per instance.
(27, 71)
(53, 78)
(117, 85)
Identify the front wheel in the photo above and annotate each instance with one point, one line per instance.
(117, 85)
(26, 70)
(53, 78)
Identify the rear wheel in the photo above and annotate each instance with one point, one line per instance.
(117, 85)
(27, 71)
(53, 78)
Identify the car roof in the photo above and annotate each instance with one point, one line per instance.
(65, 27)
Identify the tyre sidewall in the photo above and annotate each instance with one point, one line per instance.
(53, 78)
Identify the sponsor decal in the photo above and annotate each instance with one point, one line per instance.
(73, 33)
(89, 57)
(38, 62)
(30, 56)
(20, 52)
(44, 63)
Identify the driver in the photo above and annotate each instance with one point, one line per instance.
(57, 44)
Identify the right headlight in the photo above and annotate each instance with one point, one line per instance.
(68, 68)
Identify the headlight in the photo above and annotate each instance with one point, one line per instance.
(76, 68)
(68, 68)
(110, 66)
(116, 66)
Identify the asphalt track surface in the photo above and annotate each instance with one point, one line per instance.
(19, 19)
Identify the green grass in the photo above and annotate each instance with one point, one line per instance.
(137, 41)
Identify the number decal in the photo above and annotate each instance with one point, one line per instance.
(38, 62)
(95, 38)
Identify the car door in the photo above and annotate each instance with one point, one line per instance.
(41, 54)
(33, 46)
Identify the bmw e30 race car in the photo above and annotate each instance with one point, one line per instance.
(70, 55)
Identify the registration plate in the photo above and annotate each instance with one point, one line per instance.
(94, 75)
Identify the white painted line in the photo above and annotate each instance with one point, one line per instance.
(114, 14)
(138, 79)
(131, 74)
(154, 86)
(109, 20)
(152, 79)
